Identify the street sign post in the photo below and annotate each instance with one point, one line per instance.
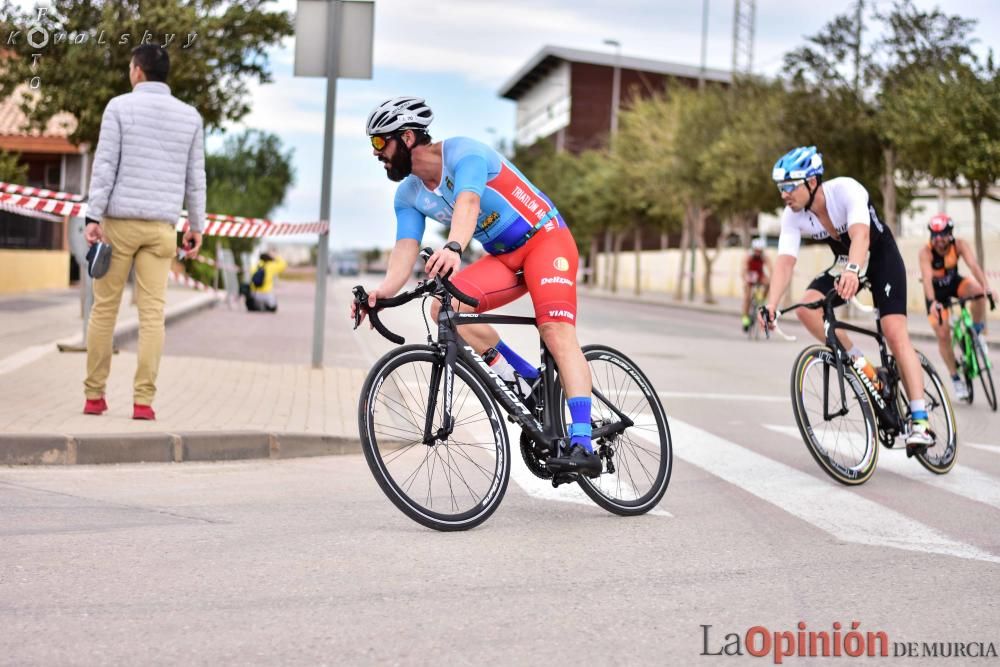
(333, 38)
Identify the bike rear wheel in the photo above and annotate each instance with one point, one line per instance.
(986, 375)
(452, 484)
(642, 455)
(844, 445)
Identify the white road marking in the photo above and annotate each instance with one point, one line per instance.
(960, 480)
(25, 357)
(832, 508)
(721, 397)
(543, 490)
(993, 449)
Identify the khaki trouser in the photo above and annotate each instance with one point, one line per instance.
(151, 245)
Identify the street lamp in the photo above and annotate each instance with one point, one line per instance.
(615, 84)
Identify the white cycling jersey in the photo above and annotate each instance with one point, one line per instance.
(848, 204)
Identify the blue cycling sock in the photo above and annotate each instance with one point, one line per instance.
(978, 327)
(523, 368)
(919, 415)
(580, 429)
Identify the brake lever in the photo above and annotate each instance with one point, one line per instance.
(360, 301)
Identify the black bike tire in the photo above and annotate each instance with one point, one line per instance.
(854, 386)
(651, 498)
(986, 376)
(951, 438)
(436, 520)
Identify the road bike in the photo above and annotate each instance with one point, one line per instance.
(843, 415)
(971, 356)
(432, 433)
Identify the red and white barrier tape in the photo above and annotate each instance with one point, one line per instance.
(231, 229)
(28, 213)
(27, 190)
(50, 206)
(187, 281)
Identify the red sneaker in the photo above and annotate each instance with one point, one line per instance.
(95, 406)
(143, 412)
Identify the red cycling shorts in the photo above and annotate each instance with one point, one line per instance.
(549, 260)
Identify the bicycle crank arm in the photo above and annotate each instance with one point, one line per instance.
(611, 430)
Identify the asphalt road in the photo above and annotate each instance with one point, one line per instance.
(306, 562)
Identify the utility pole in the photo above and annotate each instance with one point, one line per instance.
(692, 241)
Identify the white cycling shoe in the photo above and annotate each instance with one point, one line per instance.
(961, 391)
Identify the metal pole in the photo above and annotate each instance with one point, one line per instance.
(704, 43)
(701, 86)
(615, 84)
(616, 90)
(323, 252)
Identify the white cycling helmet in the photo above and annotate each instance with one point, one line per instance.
(399, 113)
(758, 244)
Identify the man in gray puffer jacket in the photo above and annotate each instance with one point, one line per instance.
(150, 160)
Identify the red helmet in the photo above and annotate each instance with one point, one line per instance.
(941, 224)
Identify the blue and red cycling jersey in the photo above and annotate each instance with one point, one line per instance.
(510, 207)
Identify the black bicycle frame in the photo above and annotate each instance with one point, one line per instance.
(546, 433)
(831, 326)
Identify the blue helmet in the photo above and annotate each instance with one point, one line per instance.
(801, 162)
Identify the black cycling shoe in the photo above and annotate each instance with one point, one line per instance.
(578, 460)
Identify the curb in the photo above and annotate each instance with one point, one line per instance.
(202, 446)
(130, 328)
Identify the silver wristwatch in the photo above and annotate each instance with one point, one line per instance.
(853, 268)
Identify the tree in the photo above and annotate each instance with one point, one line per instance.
(216, 50)
(11, 169)
(248, 178)
(739, 163)
(945, 122)
(840, 84)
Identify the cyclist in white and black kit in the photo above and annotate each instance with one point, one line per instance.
(839, 212)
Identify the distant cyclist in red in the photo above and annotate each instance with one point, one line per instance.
(756, 272)
(470, 188)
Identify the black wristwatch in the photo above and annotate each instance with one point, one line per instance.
(454, 247)
(91, 221)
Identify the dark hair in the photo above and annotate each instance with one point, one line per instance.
(266, 257)
(153, 60)
(420, 138)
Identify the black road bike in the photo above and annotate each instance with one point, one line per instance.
(434, 438)
(843, 416)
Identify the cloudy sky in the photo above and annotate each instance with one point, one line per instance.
(457, 53)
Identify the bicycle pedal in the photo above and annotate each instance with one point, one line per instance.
(564, 478)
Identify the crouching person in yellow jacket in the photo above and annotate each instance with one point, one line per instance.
(261, 295)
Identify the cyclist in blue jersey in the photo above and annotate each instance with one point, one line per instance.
(470, 188)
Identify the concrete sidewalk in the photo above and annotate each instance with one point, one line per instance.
(233, 410)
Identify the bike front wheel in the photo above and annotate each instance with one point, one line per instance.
(841, 436)
(638, 461)
(454, 483)
(986, 375)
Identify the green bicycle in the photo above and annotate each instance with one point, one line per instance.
(970, 354)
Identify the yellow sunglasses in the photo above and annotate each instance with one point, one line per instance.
(379, 142)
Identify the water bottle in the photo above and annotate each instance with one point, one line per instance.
(862, 365)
